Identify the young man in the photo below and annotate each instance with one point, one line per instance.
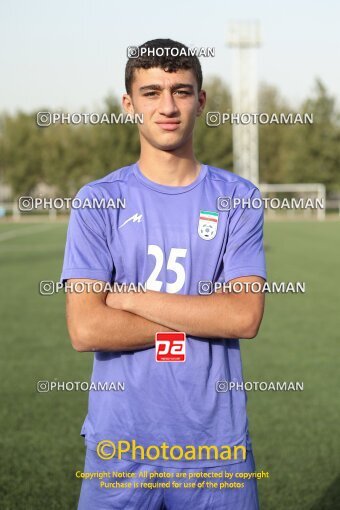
(171, 236)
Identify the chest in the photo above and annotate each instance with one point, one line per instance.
(168, 244)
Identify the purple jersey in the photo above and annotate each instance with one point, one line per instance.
(170, 238)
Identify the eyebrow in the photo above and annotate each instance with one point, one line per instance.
(174, 87)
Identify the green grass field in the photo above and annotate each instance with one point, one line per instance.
(295, 434)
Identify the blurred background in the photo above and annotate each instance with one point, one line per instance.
(70, 57)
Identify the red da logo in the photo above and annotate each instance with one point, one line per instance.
(170, 346)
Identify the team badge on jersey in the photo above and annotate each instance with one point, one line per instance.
(207, 225)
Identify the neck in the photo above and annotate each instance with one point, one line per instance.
(170, 168)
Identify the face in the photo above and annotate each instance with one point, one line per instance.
(170, 104)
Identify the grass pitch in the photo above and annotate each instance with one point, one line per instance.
(294, 434)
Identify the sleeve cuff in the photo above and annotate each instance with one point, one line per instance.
(92, 274)
(245, 271)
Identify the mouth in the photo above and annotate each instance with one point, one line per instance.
(168, 125)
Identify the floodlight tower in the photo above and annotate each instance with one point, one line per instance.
(244, 38)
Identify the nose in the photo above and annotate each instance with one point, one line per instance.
(167, 105)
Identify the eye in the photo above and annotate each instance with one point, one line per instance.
(150, 94)
(183, 93)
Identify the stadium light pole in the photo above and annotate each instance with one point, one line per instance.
(244, 38)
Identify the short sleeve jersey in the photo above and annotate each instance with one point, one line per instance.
(169, 238)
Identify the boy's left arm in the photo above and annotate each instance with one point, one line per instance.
(219, 315)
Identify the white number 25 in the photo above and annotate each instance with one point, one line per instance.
(152, 282)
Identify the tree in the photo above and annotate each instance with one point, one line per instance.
(21, 148)
(315, 148)
(213, 145)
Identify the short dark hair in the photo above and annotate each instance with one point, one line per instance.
(167, 58)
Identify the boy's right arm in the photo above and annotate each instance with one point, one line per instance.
(94, 326)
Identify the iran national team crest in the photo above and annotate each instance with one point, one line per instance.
(207, 225)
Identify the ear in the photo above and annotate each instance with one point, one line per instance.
(202, 99)
(127, 104)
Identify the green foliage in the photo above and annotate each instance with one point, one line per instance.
(21, 153)
(301, 152)
(315, 148)
(272, 137)
(213, 145)
(67, 156)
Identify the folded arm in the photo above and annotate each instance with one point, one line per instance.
(94, 326)
(220, 315)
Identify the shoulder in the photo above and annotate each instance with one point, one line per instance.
(230, 181)
(109, 182)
